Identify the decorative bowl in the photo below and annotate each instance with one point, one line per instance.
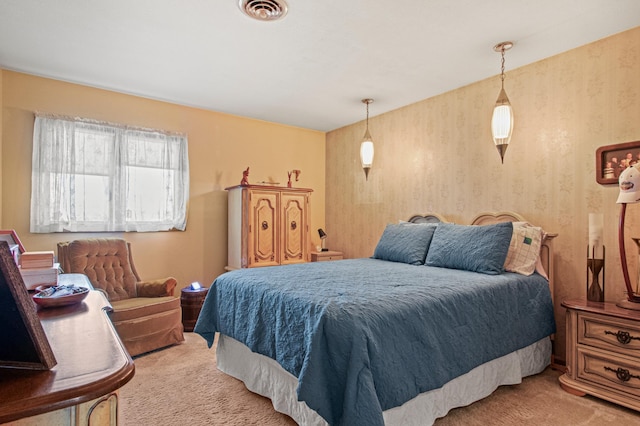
(54, 296)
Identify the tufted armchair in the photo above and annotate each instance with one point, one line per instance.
(145, 314)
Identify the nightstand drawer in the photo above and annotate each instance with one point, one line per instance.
(325, 256)
(611, 371)
(603, 332)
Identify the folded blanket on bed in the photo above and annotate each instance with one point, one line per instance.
(366, 335)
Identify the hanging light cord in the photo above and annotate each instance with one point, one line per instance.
(502, 70)
(367, 115)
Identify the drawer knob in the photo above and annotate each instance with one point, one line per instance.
(623, 336)
(294, 225)
(265, 225)
(622, 374)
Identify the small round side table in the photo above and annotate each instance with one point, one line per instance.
(191, 302)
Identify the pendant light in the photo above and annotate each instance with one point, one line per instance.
(366, 147)
(502, 120)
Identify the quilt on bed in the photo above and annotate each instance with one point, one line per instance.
(366, 335)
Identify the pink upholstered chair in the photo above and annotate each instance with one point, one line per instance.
(145, 314)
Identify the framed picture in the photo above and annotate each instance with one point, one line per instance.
(611, 160)
(10, 236)
(24, 342)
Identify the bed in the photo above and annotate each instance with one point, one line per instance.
(430, 322)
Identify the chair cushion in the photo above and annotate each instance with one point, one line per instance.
(105, 261)
(138, 307)
(145, 324)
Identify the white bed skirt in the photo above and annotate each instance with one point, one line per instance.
(266, 377)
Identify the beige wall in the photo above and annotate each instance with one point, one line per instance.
(221, 146)
(438, 155)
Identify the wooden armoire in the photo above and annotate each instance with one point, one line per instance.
(268, 225)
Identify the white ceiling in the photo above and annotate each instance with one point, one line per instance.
(310, 69)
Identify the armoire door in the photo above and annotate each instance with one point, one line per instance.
(263, 231)
(294, 227)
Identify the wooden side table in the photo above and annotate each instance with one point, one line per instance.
(603, 352)
(191, 302)
(324, 256)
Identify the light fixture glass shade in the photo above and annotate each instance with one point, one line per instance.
(366, 153)
(502, 119)
(366, 147)
(502, 123)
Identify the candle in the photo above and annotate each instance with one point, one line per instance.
(596, 223)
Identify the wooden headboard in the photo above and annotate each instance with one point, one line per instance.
(546, 251)
(427, 218)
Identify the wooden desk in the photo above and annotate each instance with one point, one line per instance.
(92, 365)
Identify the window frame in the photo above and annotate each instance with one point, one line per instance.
(63, 157)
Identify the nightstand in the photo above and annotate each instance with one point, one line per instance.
(603, 352)
(191, 303)
(324, 256)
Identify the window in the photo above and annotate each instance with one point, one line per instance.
(90, 176)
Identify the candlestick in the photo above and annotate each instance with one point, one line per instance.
(596, 225)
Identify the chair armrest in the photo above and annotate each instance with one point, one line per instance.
(106, 296)
(156, 288)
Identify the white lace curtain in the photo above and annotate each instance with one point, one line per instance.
(90, 176)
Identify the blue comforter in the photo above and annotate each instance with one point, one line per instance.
(366, 335)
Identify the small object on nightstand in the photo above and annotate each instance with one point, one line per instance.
(191, 300)
(595, 276)
(595, 259)
(324, 256)
(323, 237)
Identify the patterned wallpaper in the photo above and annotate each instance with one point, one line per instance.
(438, 155)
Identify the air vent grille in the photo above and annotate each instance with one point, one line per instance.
(264, 10)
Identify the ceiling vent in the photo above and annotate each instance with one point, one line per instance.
(264, 10)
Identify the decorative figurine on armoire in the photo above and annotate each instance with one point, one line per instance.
(245, 178)
(296, 172)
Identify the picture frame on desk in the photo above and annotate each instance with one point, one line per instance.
(15, 245)
(10, 236)
(29, 347)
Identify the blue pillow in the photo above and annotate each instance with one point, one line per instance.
(405, 242)
(471, 248)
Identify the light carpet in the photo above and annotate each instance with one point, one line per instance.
(181, 385)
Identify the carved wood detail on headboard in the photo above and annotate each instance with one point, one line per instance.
(489, 218)
(428, 218)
